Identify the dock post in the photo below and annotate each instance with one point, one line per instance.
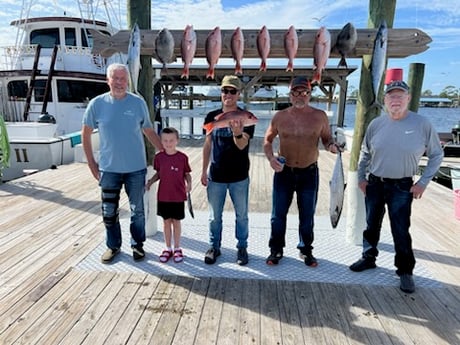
(415, 82)
(139, 11)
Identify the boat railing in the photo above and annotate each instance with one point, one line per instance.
(71, 58)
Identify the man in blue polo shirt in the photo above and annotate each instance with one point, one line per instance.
(121, 118)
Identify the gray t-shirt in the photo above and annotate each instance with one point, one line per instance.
(393, 148)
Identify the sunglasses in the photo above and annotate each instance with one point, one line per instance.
(297, 93)
(230, 91)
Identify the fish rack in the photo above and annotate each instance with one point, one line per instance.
(401, 43)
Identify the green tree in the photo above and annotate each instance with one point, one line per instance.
(450, 92)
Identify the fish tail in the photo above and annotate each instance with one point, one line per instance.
(290, 66)
(263, 66)
(316, 77)
(210, 74)
(238, 69)
(342, 62)
(376, 105)
(185, 73)
(208, 127)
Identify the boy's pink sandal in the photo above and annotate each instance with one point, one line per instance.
(165, 255)
(178, 255)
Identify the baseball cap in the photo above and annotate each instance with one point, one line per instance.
(300, 82)
(231, 81)
(397, 85)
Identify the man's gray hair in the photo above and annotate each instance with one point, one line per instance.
(115, 67)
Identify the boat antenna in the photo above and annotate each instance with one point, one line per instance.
(107, 4)
(25, 8)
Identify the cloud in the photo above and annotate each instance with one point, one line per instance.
(440, 21)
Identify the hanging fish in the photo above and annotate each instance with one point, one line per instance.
(291, 44)
(134, 57)
(237, 47)
(321, 51)
(346, 42)
(378, 62)
(213, 48)
(188, 49)
(164, 47)
(337, 191)
(263, 47)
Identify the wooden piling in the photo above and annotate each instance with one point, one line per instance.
(379, 10)
(139, 11)
(415, 82)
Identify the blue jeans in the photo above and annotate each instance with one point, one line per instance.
(111, 184)
(217, 193)
(398, 198)
(304, 182)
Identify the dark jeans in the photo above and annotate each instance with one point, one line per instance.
(398, 198)
(111, 184)
(304, 182)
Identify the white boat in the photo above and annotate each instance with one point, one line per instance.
(46, 82)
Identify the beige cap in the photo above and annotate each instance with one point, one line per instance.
(231, 81)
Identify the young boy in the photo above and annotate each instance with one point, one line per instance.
(173, 171)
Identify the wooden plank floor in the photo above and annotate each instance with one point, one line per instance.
(50, 222)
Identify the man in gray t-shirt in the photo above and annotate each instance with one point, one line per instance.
(390, 154)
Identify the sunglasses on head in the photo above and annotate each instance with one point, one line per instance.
(230, 91)
(297, 93)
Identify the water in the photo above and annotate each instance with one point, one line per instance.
(443, 120)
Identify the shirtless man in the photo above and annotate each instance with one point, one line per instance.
(299, 129)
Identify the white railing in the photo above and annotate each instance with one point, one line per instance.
(72, 59)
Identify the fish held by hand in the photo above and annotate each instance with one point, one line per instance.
(223, 120)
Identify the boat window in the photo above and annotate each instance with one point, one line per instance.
(78, 91)
(47, 38)
(70, 37)
(86, 39)
(17, 90)
(39, 91)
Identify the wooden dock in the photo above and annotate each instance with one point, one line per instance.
(50, 223)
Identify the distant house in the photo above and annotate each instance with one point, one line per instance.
(435, 102)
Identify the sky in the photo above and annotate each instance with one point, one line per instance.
(439, 20)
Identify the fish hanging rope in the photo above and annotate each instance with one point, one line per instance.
(4, 146)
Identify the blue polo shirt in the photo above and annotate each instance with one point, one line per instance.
(120, 123)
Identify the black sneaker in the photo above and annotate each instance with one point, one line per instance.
(211, 256)
(138, 253)
(274, 257)
(310, 260)
(242, 257)
(109, 255)
(407, 283)
(363, 264)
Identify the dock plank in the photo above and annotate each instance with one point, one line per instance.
(250, 313)
(51, 222)
(161, 296)
(187, 328)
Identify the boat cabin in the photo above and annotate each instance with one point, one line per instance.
(53, 74)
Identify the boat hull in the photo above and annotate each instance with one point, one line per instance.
(33, 149)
